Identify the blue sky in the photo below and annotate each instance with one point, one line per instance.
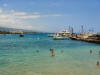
(50, 15)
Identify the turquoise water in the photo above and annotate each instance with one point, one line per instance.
(19, 56)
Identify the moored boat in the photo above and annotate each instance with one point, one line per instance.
(59, 37)
(21, 35)
(50, 35)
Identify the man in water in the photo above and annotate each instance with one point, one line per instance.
(97, 63)
(91, 51)
(37, 51)
(99, 52)
(53, 53)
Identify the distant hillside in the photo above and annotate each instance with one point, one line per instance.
(10, 29)
(4, 30)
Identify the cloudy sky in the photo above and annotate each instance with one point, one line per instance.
(50, 15)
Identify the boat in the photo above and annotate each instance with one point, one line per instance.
(50, 35)
(59, 37)
(21, 35)
(64, 33)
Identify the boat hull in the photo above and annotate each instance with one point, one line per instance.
(60, 38)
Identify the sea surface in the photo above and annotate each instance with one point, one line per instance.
(30, 55)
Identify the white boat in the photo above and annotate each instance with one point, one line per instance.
(59, 37)
(50, 35)
(64, 33)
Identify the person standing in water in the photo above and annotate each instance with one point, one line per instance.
(97, 63)
(99, 52)
(53, 52)
(91, 51)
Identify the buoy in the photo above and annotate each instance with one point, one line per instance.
(97, 63)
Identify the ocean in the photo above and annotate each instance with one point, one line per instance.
(31, 55)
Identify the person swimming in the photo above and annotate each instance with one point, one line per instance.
(37, 51)
(97, 63)
(62, 51)
(91, 51)
(99, 52)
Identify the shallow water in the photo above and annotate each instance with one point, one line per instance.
(30, 55)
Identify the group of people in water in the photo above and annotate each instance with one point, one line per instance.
(53, 54)
(98, 63)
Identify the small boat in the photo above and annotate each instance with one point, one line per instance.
(50, 35)
(64, 33)
(58, 37)
(21, 35)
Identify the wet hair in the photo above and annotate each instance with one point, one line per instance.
(51, 49)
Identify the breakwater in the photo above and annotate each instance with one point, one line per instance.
(93, 38)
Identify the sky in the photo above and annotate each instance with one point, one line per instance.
(50, 15)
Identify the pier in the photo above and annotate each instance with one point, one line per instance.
(90, 37)
(93, 38)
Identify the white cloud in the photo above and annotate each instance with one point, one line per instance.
(36, 13)
(13, 19)
(1, 10)
(52, 15)
(12, 11)
(29, 17)
(18, 13)
(5, 4)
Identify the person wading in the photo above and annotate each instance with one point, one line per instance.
(53, 52)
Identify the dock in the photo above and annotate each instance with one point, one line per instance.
(93, 38)
(90, 37)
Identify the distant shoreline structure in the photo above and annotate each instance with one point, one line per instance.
(16, 32)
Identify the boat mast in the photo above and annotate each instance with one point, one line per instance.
(72, 30)
(82, 29)
(69, 28)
